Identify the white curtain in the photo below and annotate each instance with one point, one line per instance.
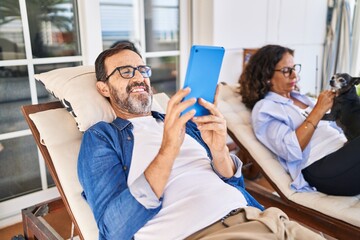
(355, 57)
(337, 50)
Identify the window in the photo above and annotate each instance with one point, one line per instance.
(35, 36)
(153, 26)
(40, 35)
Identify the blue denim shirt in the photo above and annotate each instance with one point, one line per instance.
(275, 120)
(103, 168)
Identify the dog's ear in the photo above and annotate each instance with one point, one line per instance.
(356, 80)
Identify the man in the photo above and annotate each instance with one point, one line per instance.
(149, 176)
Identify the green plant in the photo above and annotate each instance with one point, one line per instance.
(39, 13)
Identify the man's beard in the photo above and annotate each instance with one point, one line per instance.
(133, 103)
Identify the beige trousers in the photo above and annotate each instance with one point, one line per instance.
(251, 223)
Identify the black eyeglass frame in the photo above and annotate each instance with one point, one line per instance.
(145, 74)
(287, 71)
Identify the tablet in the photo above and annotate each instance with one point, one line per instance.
(202, 75)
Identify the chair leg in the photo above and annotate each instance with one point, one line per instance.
(250, 170)
(35, 226)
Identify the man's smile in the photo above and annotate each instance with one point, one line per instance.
(138, 89)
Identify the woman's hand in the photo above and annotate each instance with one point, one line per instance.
(305, 132)
(324, 102)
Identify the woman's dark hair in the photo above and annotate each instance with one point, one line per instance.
(258, 71)
(100, 68)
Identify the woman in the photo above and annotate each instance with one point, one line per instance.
(313, 151)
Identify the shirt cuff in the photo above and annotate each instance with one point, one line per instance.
(238, 167)
(143, 193)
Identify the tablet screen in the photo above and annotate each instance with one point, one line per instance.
(202, 75)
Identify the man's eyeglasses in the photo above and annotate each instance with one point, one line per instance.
(128, 72)
(287, 71)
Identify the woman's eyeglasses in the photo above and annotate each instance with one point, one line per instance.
(287, 71)
(128, 72)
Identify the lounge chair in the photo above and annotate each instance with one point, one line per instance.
(333, 215)
(58, 137)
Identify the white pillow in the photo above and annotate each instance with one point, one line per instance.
(58, 132)
(75, 87)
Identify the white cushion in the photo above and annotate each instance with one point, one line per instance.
(59, 133)
(238, 121)
(75, 88)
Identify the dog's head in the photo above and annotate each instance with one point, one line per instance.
(342, 82)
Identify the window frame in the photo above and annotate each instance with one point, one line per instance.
(91, 46)
(10, 210)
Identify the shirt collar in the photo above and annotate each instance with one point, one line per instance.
(280, 99)
(123, 123)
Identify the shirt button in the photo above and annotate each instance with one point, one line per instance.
(129, 138)
(125, 168)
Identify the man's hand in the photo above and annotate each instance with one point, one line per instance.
(174, 124)
(212, 127)
(158, 172)
(214, 132)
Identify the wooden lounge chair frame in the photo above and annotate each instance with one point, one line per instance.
(33, 227)
(311, 217)
(34, 224)
(316, 220)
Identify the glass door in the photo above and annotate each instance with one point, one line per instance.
(154, 27)
(35, 36)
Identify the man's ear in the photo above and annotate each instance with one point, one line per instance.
(103, 88)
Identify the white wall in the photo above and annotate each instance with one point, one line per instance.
(239, 24)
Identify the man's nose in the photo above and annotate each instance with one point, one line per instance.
(138, 75)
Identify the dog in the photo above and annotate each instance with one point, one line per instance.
(346, 107)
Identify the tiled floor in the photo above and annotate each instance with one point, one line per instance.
(9, 232)
(58, 219)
